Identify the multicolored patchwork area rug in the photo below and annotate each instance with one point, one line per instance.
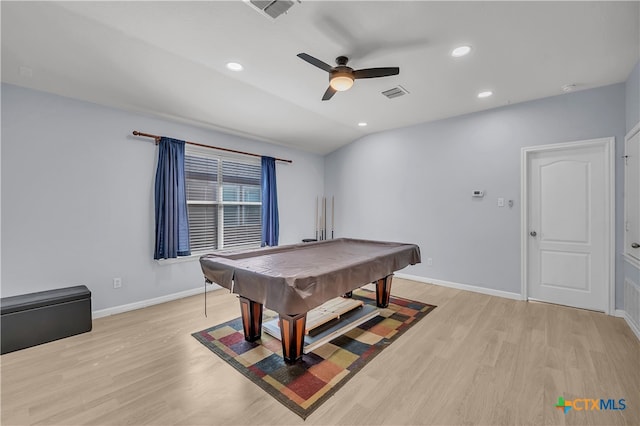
(304, 386)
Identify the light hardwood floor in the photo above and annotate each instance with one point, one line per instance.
(475, 359)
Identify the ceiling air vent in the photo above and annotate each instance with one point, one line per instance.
(271, 8)
(395, 92)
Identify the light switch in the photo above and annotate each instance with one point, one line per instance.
(500, 202)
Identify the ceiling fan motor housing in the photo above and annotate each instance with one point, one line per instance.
(340, 75)
(341, 71)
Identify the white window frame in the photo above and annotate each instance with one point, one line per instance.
(192, 150)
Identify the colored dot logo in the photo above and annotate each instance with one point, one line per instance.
(563, 405)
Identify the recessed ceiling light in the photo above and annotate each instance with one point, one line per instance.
(485, 94)
(460, 51)
(234, 66)
(362, 124)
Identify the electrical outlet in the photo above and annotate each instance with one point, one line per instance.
(117, 282)
(429, 261)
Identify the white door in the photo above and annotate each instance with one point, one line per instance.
(632, 197)
(568, 226)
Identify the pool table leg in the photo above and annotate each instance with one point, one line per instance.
(383, 291)
(251, 318)
(292, 333)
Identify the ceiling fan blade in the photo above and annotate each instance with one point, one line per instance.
(314, 61)
(329, 93)
(376, 72)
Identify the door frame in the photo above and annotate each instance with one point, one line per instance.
(609, 151)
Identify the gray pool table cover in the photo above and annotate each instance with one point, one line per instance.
(296, 278)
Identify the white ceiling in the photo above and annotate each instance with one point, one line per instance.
(168, 59)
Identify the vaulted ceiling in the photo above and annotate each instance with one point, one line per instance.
(169, 59)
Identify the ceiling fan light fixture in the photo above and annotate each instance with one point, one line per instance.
(341, 82)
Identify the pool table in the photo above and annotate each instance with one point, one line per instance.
(291, 280)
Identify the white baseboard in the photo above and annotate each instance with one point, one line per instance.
(458, 286)
(491, 292)
(499, 293)
(632, 326)
(150, 302)
(620, 313)
(623, 314)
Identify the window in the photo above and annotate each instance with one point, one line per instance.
(632, 197)
(223, 200)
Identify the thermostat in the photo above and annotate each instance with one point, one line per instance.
(477, 193)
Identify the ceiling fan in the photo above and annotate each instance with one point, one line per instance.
(341, 77)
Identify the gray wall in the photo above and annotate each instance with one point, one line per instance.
(414, 184)
(77, 197)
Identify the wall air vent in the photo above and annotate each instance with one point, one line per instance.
(271, 8)
(395, 92)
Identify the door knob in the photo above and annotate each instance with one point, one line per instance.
(533, 233)
(635, 245)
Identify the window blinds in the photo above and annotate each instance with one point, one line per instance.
(223, 199)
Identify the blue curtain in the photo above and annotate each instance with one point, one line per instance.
(172, 222)
(270, 222)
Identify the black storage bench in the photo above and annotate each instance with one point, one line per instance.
(31, 319)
